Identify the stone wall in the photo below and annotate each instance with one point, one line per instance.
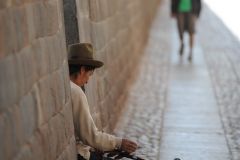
(35, 106)
(118, 30)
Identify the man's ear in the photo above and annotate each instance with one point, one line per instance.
(82, 70)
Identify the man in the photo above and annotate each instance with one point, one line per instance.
(186, 12)
(81, 67)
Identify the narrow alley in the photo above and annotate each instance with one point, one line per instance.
(85, 79)
(172, 108)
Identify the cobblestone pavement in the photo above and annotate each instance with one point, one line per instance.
(222, 52)
(147, 97)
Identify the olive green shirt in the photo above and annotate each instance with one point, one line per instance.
(185, 6)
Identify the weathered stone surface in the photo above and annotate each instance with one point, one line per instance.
(46, 18)
(46, 98)
(25, 154)
(35, 106)
(69, 152)
(20, 26)
(8, 32)
(113, 33)
(36, 147)
(28, 115)
(8, 83)
(35, 109)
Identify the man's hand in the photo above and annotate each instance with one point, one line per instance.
(128, 146)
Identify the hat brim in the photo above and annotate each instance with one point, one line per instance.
(86, 62)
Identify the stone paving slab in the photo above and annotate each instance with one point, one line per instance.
(196, 155)
(192, 124)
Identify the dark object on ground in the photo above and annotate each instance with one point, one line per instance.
(112, 155)
(177, 159)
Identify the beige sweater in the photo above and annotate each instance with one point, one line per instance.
(86, 132)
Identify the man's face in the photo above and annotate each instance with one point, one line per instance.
(83, 77)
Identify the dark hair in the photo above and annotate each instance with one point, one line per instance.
(74, 69)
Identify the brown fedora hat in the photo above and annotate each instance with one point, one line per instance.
(82, 54)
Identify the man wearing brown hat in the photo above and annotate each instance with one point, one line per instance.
(81, 67)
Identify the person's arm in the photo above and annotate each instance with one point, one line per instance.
(174, 4)
(199, 8)
(90, 135)
(86, 130)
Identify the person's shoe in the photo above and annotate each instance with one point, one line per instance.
(181, 49)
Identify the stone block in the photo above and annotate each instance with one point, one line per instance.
(20, 26)
(28, 113)
(57, 134)
(36, 146)
(100, 90)
(105, 112)
(46, 18)
(56, 52)
(53, 53)
(68, 120)
(41, 56)
(54, 138)
(8, 32)
(83, 7)
(62, 47)
(27, 70)
(36, 94)
(20, 75)
(84, 29)
(8, 141)
(47, 142)
(18, 137)
(8, 83)
(30, 22)
(97, 13)
(65, 74)
(57, 90)
(25, 154)
(98, 35)
(70, 151)
(47, 106)
(99, 10)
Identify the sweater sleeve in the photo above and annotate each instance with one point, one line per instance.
(86, 129)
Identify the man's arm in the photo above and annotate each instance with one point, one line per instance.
(90, 135)
(174, 5)
(86, 130)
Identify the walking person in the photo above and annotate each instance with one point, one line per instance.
(186, 12)
(88, 137)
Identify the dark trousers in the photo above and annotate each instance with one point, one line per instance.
(79, 157)
(93, 156)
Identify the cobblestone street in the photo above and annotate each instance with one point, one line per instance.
(181, 109)
(222, 52)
